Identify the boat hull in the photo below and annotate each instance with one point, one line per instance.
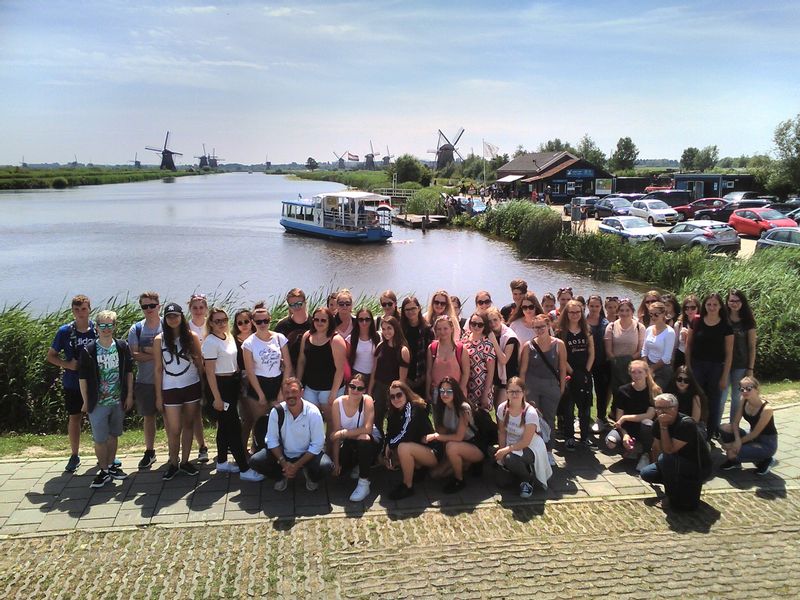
(370, 235)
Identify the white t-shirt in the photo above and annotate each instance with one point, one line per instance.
(266, 355)
(659, 346)
(524, 333)
(365, 351)
(200, 330)
(514, 429)
(224, 351)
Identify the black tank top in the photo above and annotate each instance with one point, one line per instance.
(320, 368)
(769, 428)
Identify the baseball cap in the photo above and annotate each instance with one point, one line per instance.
(173, 308)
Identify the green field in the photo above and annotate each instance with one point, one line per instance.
(16, 178)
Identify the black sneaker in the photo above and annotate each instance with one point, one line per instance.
(765, 466)
(73, 463)
(730, 465)
(589, 442)
(570, 444)
(100, 479)
(202, 454)
(148, 459)
(400, 492)
(454, 486)
(171, 471)
(116, 473)
(188, 468)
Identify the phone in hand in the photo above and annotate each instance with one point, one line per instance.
(226, 405)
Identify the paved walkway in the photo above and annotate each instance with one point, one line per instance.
(36, 496)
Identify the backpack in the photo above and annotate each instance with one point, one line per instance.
(704, 463)
(435, 349)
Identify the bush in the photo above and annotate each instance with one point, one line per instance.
(427, 200)
(59, 183)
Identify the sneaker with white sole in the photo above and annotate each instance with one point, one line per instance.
(227, 467)
(202, 454)
(644, 461)
(311, 485)
(73, 463)
(551, 459)
(765, 466)
(525, 490)
(281, 485)
(100, 479)
(361, 491)
(147, 460)
(251, 475)
(117, 473)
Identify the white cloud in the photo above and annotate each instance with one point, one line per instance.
(193, 10)
(285, 11)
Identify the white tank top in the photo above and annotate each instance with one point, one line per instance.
(179, 370)
(356, 421)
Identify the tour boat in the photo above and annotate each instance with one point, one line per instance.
(349, 216)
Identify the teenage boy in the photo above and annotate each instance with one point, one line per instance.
(519, 287)
(68, 343)
(295, 324)
(140, 340)
(105, 374)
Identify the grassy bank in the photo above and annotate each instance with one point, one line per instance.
(29, 179)
(769, 279)
(362, 180)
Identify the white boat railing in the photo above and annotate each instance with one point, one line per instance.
(333, 219)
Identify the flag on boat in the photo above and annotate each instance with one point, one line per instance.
(352, 156)
(490, 150)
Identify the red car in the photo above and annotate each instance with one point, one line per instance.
(754, 221)
(687, 211)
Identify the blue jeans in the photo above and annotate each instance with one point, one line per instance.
(321, 397)
(708, 374)
(680, 478)
(734, 391)
(761, 448)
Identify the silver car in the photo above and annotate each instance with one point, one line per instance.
(631, 229)
(780, 237)
(654, 211)
(712, 235)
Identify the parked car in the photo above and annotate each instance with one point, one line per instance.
(784, 237)
(754, 221)
(632, 229)
(687, 211)
(671, 198)
(587, 201)
(615, 205)
(724, 212)
(795, 215)
(472, 206)
(783, 207)
(654, 211)
(712, 235)
(736, 196)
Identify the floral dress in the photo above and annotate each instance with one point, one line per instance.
(479, 353)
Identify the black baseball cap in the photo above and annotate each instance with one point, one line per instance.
(173, 308)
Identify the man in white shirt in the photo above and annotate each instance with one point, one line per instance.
(295, 441)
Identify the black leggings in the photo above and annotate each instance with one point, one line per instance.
(358, 452)
(229, 427)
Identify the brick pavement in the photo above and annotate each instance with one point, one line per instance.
(36, 496)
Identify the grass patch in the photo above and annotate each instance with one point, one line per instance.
(362, 180)
(61, 178)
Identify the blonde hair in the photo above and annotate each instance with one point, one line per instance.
(652, 387)
(107, 314)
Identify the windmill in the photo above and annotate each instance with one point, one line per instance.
(369, 159)
(341, 156)
(167, 162)
(23, 164)
(74, 163)
(445, 149)
(136, 162)
(213, 160)
(203, 158)
(267, 164)
(388, 158)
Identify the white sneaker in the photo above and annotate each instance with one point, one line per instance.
(355, 473)
(644, 461)
(596, 426)
(310, 485)
(551, 459)
(227, 467)
(361, 491)
(281, 485)
(251, 475)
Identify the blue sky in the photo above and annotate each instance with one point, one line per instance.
(104, 79)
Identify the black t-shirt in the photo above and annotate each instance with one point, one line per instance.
(708, 341)
(577, 350)
(294, 334)
(684, 430)
(630, 400)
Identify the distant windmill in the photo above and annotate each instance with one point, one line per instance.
(74, 163)
(388, 158)
(267, 164)
(136, 162)
(23, 164)
(341, 156)
(203, 158)
(213, 160)
(167, 162)
(369, 159)
(445, 149)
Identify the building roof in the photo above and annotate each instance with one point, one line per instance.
(532, 163)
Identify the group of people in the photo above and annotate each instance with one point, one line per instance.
(338, 390)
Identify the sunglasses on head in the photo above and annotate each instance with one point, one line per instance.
(198, 297)
(612, 299)
(149, 306)
(564, 289)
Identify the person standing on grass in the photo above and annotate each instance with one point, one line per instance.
(177, 385)
(295, 324)
(575, 333)
(68, 342)
(744, 347)
(140, 341)
(105, 374)
(198, 309)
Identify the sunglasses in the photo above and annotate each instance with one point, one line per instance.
(682, 379)
(220, 321)
(411, 308)
(344, 303)
(105, 325)
(439, 303)
(357, 388)
(261, 321)
(297, 304)
(320, 320)
(562, 290)
(244, 322)
(528, 307)
(149, 306)
(612, 299)
(445, 392)
(746, 388)
(484, 302)
(476, 324)
(396, 395)
(364, 319)
(198, 297)
(387, 304)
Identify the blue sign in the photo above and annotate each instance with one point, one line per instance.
(580, 172)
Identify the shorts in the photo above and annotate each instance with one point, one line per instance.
(320, 397)
(106, 421)
(438, 450)
(73, 401)
(144, 395)
(270, 386)
(184, 395)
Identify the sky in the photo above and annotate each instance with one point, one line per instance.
(101, 80)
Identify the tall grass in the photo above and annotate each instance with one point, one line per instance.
(427, 200)
(60, 178)
(363, 180)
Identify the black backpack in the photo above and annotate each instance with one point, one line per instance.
(704, 463)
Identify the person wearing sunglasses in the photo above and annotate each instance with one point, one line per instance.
(521, 320)
(344, 313)
(407, 428)
(642, 313)
(419, 335)
(198, 311)
(105, 377)
(389, 363)
(321, 364)
(440, 305)
(610, 307)
(140, 340)
(623, 341)
(388, 306)
(519, 287)
(295, 324)
(266, 363)
(362, 344)
(691, 398)
(690, 309)
(507, 349)
(446, 358)
(482, 362)
(242, 327)
(354, 437)
(659, 343)
(483, 300)
(758, 445)
(745, 340)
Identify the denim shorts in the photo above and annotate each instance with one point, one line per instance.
(320, 397)
(106, 421)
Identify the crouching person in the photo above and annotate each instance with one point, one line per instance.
(684, 462)
(106, 381)
(295, 441)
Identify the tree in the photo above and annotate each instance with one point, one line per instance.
(556, 145)
(590, 152)
(688, 158)
(706, 158)
(787, 148)
(520, 151)
(311, 164)
(408, 168)
(624, 157)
